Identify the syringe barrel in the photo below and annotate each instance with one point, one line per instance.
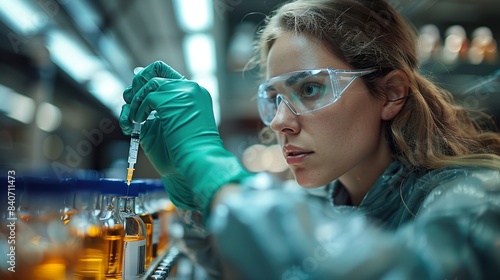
(133, 150)
(134, 141)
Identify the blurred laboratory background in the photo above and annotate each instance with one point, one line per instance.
(65, 63)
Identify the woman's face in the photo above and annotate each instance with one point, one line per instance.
(326, 144)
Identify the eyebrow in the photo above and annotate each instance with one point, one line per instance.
(297, 77)
(269, 88)
(291, 80)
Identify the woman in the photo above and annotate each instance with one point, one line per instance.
(414, 179)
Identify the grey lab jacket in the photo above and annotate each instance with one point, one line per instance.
(412, 224)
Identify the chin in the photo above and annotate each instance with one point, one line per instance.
(309, 179)
(307, 182)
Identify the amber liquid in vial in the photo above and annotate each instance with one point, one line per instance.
(113, 251)
(51, 267)
(40, 258)
(92, 260)
(148, 221)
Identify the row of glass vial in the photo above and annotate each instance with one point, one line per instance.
(85, 229)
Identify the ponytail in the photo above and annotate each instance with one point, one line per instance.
(431, 131)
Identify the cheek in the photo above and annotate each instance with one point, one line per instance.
(362, 113)
(347, 131)
(338, 124)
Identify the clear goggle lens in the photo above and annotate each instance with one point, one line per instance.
(304, 91)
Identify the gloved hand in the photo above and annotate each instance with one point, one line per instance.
(190, 137)
(151, 138)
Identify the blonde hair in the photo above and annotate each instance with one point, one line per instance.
(430, 131)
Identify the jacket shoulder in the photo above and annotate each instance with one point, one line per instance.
(462, 187)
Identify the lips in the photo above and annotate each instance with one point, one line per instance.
(295, 155)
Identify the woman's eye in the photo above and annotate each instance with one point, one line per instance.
(272, 96)
(310, 90)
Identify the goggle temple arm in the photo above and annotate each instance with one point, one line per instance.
(341, 81)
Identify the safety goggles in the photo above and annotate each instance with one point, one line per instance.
(304, 91)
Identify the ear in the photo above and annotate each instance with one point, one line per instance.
(395, 86)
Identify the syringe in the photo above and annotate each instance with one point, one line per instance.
(134, 141)
(134, 146)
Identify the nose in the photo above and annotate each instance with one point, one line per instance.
(285, 121)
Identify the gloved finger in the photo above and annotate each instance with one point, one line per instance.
(128, 95)
(163, 70)
(124, 121)
(157, 69)
(139, 111)
(151, 123)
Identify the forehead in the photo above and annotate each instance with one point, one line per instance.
(292, 52)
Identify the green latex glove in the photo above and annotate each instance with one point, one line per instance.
(190, 139)
(151, 138)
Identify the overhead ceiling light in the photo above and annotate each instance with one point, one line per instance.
(84, 67)
(22, 17)
(48, 117)
(107, 88)
(84, 15)
(200, 54)
(194, 15)
(199, 50)
(16, 106)
(113, 52)
(69, 54)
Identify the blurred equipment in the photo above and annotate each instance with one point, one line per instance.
(483, 46)
(429, 42)
(456, 44)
